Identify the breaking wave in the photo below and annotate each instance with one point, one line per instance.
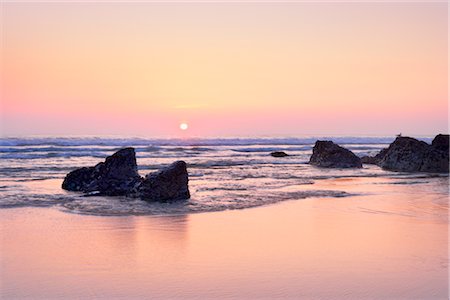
(123, 142)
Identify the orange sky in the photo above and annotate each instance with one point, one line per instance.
(225, 69)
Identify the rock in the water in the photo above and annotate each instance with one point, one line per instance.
(410, 155)
(116, 176)
(405, 154)
(279, 154)
(168, 184)
(374, 160)
(327, 154)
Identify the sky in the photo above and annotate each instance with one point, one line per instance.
(225, 69)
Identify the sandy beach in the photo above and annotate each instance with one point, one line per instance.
(390, 243)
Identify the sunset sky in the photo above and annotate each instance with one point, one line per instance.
(225, 69)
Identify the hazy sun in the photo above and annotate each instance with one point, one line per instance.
(183, 126)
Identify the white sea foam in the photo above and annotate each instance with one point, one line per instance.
(96, 141)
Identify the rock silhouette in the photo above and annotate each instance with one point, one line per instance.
(411, 155)
(118, 176)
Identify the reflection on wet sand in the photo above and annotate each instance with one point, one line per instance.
(61, 252)
(388, 242)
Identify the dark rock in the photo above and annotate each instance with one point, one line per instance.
(369, 160)
(79, 179)
(374, 160)
(435, 161)
(279, 154)
(327, 154)
(116, 176)
(441, 142)
(410, 155)
(168, 184)
(405, 154)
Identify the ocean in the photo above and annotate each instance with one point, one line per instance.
(224, 173)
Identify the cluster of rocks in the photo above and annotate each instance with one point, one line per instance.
(405, 154)
(411, 155)
(118, 176)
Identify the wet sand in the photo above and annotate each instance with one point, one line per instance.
(391, 242)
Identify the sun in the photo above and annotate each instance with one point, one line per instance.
(184, 126)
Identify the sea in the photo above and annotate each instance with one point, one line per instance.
(255, 227)
(224, 173)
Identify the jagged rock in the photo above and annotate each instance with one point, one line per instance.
(168, 184)
(279, 154)
(327, 154)
(374, 160)
(411, 155)
(116, 176)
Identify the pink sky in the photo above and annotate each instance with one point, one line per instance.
(225, 69)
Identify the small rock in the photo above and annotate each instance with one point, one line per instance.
(374, 160)
(279, 154)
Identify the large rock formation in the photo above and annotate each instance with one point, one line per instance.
(327, 154)
(410, 155)
(118, 176)
(170, 183)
